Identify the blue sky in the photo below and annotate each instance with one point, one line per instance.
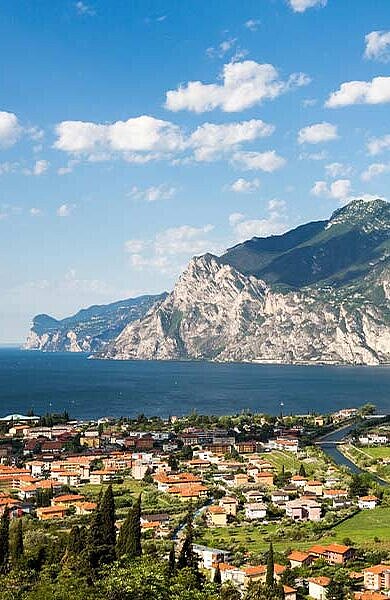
(135, 134)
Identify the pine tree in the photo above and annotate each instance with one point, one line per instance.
(17, 546)
(269, 579)
(4, 540)
(107, 510)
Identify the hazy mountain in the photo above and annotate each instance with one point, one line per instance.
(88, 330)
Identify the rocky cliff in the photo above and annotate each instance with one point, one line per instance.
(319, 293)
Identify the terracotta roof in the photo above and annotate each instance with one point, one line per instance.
(298, 556)
(324, 581)
(217, 510)
(377, 569)
(368, 498)
(337, 548)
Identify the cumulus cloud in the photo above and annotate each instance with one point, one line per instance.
(301, 5)
(10, 129)
(378, 145)
(317, 156)
(377, 46)
(244, 186)
(273, 224)
(337, 169)
(376, 91)
(153, 193)
(244, 84)
(65, 210)
(374, 170)
(35, 212)
(84, 9)
(338, 190)
(318, 133)
(268, 161)
(223, 48)
(209, 140)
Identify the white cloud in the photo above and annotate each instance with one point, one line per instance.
(8, 167)
(83, 9)
(65, 210)
(275, 223)
(337, 169)
(323, 155)
(376, 91)
(35, 212)
(259, 161)
(10, 129)
(167, 250)
(301, 5)
(222, 49)
(244, 84)
(210, 140)
(338, 190)
(252, 24)
(153, 193)
(142, 134)
(309, 102)
(318, 133)
(375, 170)
(40, 167)
(244, 186)
(378, 145)
(378, 46)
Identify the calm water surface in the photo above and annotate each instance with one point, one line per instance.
(93, 388)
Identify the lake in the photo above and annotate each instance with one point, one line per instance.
(94, 388)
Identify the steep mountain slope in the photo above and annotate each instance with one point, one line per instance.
(323, 296)
(88, 330)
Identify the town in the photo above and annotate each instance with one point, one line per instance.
(250, 487)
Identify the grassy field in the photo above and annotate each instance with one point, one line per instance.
(312, 462)
(362, 529)
(379, 452)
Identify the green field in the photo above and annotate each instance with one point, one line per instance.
(362, 529)
(377, 452)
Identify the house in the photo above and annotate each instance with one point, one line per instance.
(298, 481)
(210, 556)
(370, 596)
(279, 496)
(161, 518)
(377, 577)
(299, 559)
(317, 587)
(334, 554)
(259, 573)
(254, 496)
(303, 509)
(289, 593)
(85, 508)
(102, 476)
(188, 492)
(165, 481)
(139, 470)
(246, 447)
(229, 505)
(265, 479)
(217, 517)
(258, 510)
(367, 502)
(314, 487)
(45, 513)
(67, 500)
(240, 479)
(335, 494)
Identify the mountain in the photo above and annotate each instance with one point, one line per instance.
(90, 329)
(319, 293)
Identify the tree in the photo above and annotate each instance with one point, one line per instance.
(229, 592)
(129, 540)
(4, 540)
(172, 462)
(172, 561)
(360, 484)
(187, 557)
(261, 591)
(107, 509)
(302, 470)
(336, 591)
(17, 546)
(217, 575)
(269, 578)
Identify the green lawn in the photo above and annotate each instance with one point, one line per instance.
(379, 452)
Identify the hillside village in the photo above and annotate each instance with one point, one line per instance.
(251, 482)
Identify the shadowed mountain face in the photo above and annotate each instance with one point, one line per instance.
(319, 293)
(331, 252)
(89, 329)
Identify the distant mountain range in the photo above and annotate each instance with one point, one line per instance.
(319, 293)
(90, 329)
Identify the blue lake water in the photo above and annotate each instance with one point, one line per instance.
(93, 388)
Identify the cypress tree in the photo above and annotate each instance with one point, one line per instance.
(17, 546)
(269, 579)
(107, 510)
(187, 557)
(172, 562)
(302, 470)
(129, 539)
(4, 540)
(217, 575)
